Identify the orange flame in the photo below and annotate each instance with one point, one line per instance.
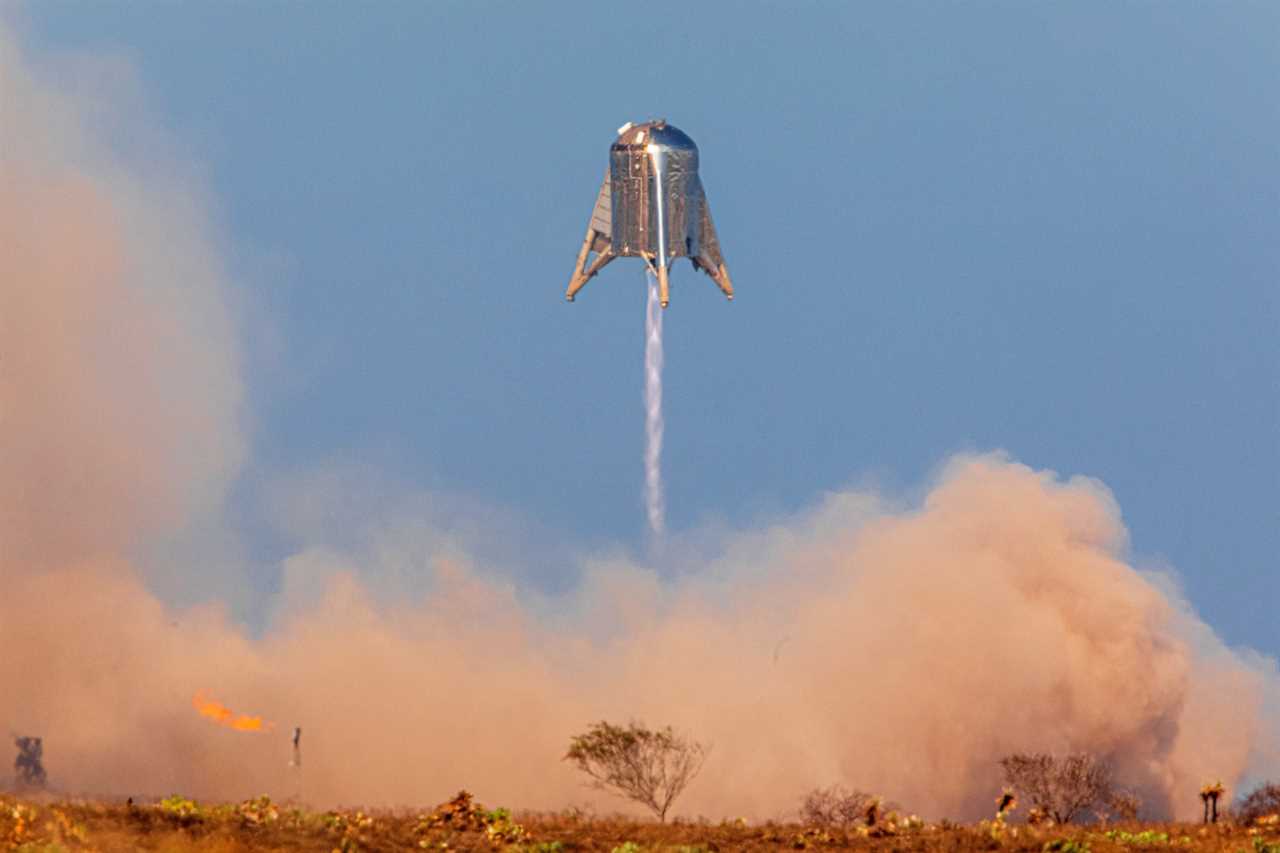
(224, 716)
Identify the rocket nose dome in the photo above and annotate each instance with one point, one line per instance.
(656, 132)
(670, 136)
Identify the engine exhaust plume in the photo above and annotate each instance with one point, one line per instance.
(224, 716)
(653, 425)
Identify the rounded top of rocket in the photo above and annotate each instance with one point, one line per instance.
(656, 132)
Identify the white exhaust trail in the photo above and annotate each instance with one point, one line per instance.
(654, 502)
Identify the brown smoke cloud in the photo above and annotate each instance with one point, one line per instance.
(897, 650)
(119, 391)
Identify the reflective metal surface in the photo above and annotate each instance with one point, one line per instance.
(651, 205)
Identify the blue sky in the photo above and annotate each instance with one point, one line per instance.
(1050, 229)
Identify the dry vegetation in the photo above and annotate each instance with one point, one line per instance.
(179, 824)
(649, 766)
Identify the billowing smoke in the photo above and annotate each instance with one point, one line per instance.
(119, 377)
(897, 649)
(653, 499)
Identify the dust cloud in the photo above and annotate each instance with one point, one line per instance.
(897, 649)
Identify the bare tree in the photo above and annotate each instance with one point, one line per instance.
(1262, 801)
(651, 767)
(1062, 788)
(1121, 805)
(834, 806)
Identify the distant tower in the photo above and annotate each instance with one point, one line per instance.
(297, 748)
(28, 767)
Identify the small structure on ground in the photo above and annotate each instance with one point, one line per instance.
(28, 767)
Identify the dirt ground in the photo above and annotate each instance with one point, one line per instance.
(46, 825)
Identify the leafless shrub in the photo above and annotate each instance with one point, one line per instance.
(1121, 805)
(834, 806)
(1036, 817)
(651, 767)
(1262, 801)
(1061, 788)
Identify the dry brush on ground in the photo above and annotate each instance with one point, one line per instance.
(45, 825)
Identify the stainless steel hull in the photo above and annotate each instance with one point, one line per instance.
(651, 205)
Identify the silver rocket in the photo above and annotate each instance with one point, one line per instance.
(651, 205)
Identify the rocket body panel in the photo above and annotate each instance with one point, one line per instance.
(655, 193)
(651, 205)
(602, 215)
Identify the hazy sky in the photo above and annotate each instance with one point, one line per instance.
(1048, 229)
